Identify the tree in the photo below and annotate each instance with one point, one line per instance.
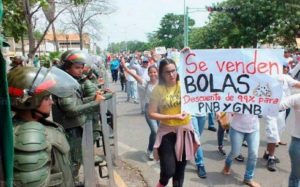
(266, 21)
(30, 8)
(83, 15)
(49, 12)
(13, 23)
(256, 21)
(136, 46)
(171, 30)
(128, 46)
(287, 25)
(153, 40)
(22, 17)
(219, 32)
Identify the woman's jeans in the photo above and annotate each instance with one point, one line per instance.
(294, 152)
(236, 140)
(153, 125)
(131, 90)
(198, 124)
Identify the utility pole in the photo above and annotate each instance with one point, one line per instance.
(186, 27)
(184, 24)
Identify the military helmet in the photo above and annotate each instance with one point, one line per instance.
(73, 57)
(29, 85)
(65, 54)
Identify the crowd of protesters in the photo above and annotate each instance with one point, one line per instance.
(153, 81)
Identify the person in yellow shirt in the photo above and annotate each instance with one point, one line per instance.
(175, 141)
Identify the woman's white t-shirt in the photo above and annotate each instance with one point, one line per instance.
(294, 102)
(245, 123)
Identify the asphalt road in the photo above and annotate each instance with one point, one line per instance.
(133, 133)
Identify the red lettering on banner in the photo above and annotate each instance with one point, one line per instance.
(220, 68)
(202, 66)
(268, 100)
(230, 67)
(204, 98)
(193, 66)
(252, 67)
(262, 68)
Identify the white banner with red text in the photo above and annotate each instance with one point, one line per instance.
(231, 80)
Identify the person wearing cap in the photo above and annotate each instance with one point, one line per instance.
(41, 150)
(142, 71)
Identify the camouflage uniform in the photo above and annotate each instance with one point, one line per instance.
(89, 89)
(72, 111)
(41, 149)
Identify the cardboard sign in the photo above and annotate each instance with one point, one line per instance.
(231, 80)
(160, 50)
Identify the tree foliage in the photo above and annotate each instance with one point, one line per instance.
(83, 16)
(13, 23)
(170, 32)
(49, 12)
(256, 21)
(128, 46)
(20, 18)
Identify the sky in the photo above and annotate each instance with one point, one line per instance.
(133, 19)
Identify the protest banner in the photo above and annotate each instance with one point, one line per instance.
(231, 80)
(160, 50)
(147, 53)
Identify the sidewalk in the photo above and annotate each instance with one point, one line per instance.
(125, 174)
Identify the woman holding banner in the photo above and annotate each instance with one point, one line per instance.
(244, 127)
(175, 141)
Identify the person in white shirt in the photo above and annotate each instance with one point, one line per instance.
(294, 149)
(131, 86)
(142, 71)
(244, 127)
(276, 125)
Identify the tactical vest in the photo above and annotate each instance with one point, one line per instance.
(41, 155)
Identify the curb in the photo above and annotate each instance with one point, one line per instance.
(118, 180)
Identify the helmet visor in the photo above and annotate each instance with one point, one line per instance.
(55, 81)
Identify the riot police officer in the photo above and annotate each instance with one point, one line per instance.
(41, 149)
(72, 111)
